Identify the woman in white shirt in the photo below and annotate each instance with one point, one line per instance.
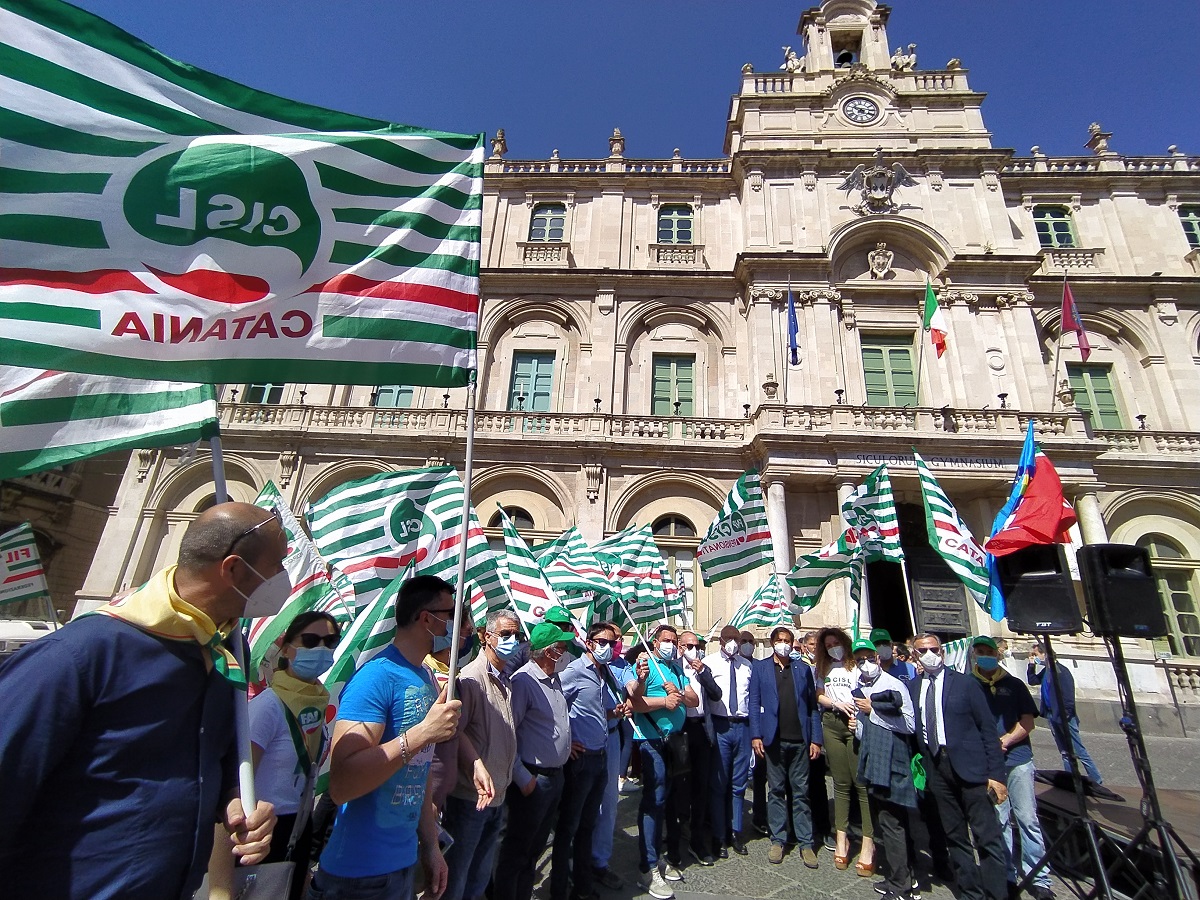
(836, 680)
(288, 736)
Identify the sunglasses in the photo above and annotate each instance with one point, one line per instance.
(310, 641)
(274, 517)
(603, 642)
(690, 646)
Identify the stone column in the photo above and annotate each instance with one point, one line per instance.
(781, 540)
(1091, 522)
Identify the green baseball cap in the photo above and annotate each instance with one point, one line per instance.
(862, 644)
(985, 640)
(546, 633)
(559, 615)
(880, 636)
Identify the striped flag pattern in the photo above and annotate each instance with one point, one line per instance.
(767, 608)
(951, 538)
(49, 419)
(571, 566)
(21, 574)
(312, 588)
(738, 541)
(813, 572)
(871, 511)
(159, 220)
(372, 528)
(531, 594)
(957, 654)
(638, 575)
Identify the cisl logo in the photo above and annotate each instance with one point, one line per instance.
(224, 219)
(407, 526)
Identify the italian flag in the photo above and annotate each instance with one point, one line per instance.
(934, 321)
(50, 419)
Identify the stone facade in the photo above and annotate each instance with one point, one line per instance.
(634, 359)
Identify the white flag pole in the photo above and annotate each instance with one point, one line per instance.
(461, 588)
(1057, 350)
(912, 609)
(641, 637)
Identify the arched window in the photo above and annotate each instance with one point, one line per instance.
(675, 224)
(521, 519)
(1055, 227)
(1177, 585)
(677, 541)
(548, 223)
(674, 527)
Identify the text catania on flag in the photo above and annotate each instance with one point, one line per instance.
(162, 222)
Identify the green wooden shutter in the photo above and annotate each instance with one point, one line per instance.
(888, 371)
(673, 379)
(1094, 395)
(394, 396)
(533, 377)
(264, 393)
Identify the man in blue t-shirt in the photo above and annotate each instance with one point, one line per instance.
(388, 720)
(1013, 706)
(658, 693)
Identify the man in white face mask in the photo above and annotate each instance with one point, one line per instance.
(960, 749)
(731, 721)
(147, 684)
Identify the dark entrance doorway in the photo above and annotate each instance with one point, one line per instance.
(939, 598)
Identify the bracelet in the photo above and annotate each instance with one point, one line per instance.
(404, 754)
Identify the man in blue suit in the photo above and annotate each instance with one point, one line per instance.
(960, 748)
(785, 730)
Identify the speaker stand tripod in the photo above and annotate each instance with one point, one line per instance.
(1169, 876)
(1095, 840)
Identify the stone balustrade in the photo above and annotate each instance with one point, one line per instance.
(1185, 680)
(544, 253)
(1074, 259)
(677, 256)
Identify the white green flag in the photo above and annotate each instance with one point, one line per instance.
(767, 608)
(871, 511)
(638, 575)
(571, 566)
(813, 572)
(372, 528)
(161, 221)
(951, 538)
(531, 594)
(49, 419)
(738, 540)
(312, 588)
(21, 574)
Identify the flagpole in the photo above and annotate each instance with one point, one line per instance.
(1058, 348)
(641, 637)
(787, 369)
(921, 350)
(460, 589)
(912, 609)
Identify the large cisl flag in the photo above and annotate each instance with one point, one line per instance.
(158, 221)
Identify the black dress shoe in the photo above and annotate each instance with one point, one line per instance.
(738, 845)
(722, 852)
(1041, 893)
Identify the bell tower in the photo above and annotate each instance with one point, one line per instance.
(843, 33)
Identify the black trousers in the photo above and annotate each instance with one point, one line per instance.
(960, 803)
(818, 798)
(891, 832)
(699, 783)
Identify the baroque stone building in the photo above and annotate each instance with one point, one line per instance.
(634, 353)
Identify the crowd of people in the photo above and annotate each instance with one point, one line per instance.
(119, 755)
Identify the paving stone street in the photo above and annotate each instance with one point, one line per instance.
(1175, 762)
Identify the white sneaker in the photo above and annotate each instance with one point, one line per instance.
(655, 886)
(669, 872)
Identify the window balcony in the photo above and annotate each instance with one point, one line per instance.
(1074, 261)
(550, 254)
(677, 256)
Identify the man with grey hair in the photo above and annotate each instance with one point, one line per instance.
(543, 728)
(487, 721)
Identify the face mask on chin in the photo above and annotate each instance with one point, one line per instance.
(268, 598)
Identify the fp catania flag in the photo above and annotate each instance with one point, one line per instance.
(162, 222)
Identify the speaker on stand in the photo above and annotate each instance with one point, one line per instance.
(1039, 595)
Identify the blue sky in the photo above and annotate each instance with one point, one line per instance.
(562, 74)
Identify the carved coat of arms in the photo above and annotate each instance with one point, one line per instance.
(876, 184)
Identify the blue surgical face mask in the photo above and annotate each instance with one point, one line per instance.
(506, 647)
(603, 655)
(987, 663)
(796, 655)
(309, 665)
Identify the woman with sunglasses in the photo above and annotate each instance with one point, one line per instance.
(288, 736)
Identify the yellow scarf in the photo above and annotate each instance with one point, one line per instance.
(307, 702)
(157, 609)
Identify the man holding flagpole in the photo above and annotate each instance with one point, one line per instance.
(114, 793)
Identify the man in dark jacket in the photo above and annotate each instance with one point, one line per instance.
(785, 730)
(960, 748)
(117, 736)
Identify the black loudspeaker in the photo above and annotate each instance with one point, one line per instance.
(1038, 592)
(1120, 590)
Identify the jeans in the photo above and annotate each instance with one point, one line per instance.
(470, 857)
(1085, 760)
(529, 822)
(602, 837)
(584, 781)
(1021, 805)
(396, 885)
(657, 807)
(961, 803)
(732, 772)
(787, 765)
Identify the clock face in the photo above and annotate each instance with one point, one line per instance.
(860, 110)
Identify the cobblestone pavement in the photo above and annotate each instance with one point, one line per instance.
(1175, 761)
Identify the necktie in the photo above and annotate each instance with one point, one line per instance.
(733, 706)
(931, 719)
